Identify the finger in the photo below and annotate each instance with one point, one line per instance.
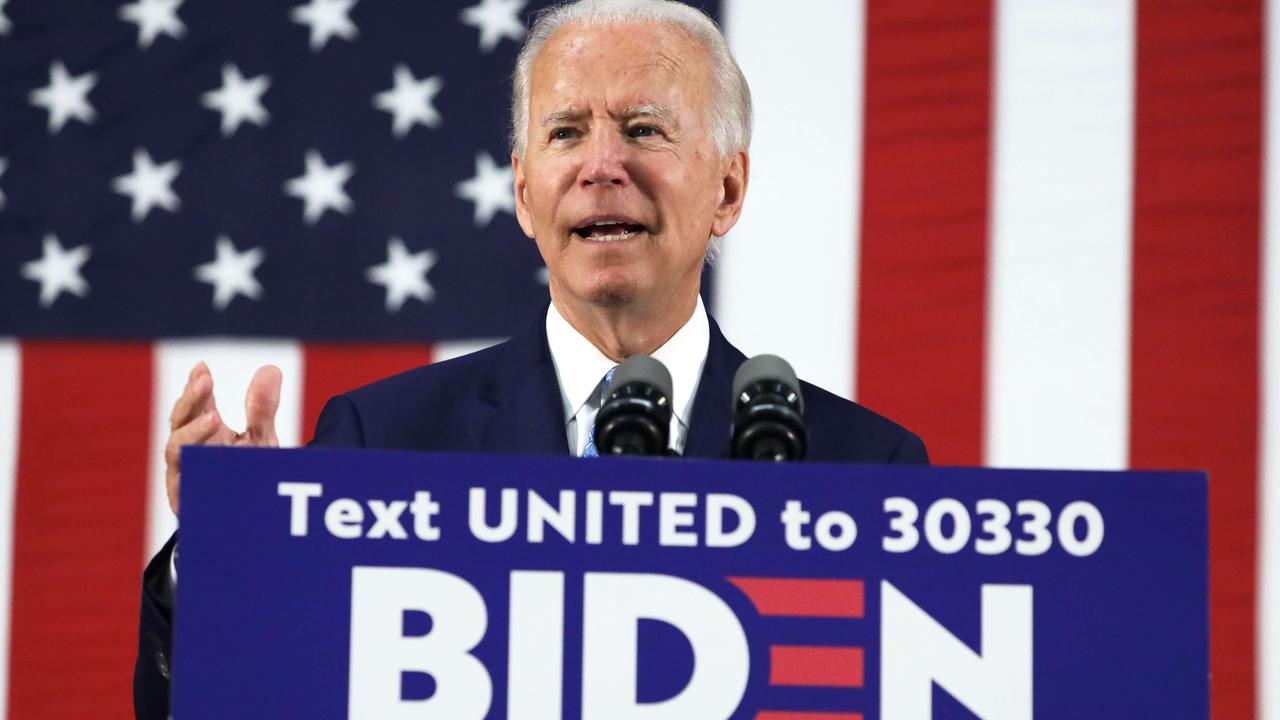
(205, 429)
(200, 368)
(260, 404)
(192, 403)
(196, 398)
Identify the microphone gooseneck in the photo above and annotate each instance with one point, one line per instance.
(635, 418)
(768, 411)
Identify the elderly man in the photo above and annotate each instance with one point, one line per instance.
(631, 126)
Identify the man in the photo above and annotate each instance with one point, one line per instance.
(631, 123)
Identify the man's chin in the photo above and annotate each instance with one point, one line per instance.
(612, 290)
(612, 297)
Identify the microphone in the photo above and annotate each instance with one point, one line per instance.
(635, 418)
(768, 411)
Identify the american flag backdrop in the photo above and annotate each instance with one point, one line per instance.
(1037, 232)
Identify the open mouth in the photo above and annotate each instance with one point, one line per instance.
(608, 230)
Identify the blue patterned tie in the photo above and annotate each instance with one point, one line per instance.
(598, 400)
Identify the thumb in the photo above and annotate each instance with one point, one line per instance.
(260, 404)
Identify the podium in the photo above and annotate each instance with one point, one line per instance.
(354, 584)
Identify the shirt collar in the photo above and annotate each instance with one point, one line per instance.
(580, 365)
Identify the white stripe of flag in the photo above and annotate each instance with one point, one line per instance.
(1060, 253)
(787, 281)
(10, 404)
(1268, 681)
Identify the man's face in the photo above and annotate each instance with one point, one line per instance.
(620, 184)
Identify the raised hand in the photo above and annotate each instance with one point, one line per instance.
(195, 419)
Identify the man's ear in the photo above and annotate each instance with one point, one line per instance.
(733, 190)
(522, 201)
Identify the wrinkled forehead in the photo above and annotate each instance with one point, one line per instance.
(631, 63)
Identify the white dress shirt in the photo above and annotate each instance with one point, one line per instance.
(580, 366)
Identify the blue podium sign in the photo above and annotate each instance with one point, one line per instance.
(346, 584)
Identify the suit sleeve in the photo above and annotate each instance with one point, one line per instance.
(339, 425)
(910, 451)
(155, 637)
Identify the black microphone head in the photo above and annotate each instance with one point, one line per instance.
(768, 411)
(635, 418)
(642, 369)
(765, 368)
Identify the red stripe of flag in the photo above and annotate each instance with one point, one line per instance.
(793, 597)
(922, 298)
(812, 666)
(1196, 225)
(79, 528)
(334, 369)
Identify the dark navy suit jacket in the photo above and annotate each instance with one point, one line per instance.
(506, 399)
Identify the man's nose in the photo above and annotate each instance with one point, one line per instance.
(606, 160)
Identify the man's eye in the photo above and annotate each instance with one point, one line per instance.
(644, 131)
(563, 134)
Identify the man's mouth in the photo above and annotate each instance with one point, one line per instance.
(608, 230)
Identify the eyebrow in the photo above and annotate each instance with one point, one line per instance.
(560, 117)
(661, 113)
(657, 111)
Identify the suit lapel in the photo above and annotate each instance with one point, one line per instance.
(526, 412)
(711, 414)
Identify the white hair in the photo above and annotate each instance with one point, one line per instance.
(729, 114)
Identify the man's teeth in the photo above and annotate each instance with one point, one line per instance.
(608, 231)
(605, 236)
